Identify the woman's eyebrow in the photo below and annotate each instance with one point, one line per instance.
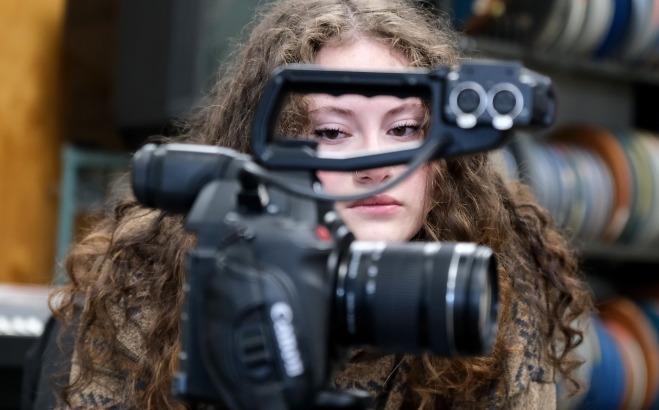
(334, 109)
(404, 107)
(348, 112)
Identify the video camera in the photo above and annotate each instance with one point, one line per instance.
(277, 288)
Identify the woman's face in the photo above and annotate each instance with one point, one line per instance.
(351, 123)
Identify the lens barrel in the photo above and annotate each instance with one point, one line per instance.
(414, 297)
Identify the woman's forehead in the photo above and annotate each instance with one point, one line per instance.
(361, 54)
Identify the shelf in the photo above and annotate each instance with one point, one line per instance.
(621, 266)
(607, 70)
(637, 254)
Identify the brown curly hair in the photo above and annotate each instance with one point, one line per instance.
(130, 267)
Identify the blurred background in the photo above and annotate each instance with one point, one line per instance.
(83, 83)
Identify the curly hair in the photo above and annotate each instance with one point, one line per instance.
(130, 267)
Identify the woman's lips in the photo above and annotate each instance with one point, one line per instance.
(376, 205)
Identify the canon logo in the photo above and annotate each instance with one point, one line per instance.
(282, 320)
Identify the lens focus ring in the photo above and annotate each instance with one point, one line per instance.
(416, 297)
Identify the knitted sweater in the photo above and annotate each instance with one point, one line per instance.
(528, 384)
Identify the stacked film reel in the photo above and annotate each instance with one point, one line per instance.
(600, 185)
(620, 352)
(625, 30)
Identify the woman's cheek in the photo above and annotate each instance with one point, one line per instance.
(333, 182)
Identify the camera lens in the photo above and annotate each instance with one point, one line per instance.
(414, 297)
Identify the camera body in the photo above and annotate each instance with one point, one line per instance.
(254, 333)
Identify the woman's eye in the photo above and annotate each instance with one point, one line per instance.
(405, 130)
(329, 134)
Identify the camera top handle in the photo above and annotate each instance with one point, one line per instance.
(474, 106)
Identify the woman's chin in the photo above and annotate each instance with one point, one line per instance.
(380, 234)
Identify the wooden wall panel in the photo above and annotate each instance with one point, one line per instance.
(31, 111)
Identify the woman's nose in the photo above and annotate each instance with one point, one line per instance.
(372, 142)
(373, 175)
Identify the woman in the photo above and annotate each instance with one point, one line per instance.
(127, 275)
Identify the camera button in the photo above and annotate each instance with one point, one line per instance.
(323, 233)
(504, 102)
(468, 100)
